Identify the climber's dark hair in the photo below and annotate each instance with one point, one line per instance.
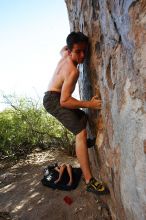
(75, 38)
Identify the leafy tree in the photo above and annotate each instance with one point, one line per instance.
(26, 125)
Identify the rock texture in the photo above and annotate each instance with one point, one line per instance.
(115, 69)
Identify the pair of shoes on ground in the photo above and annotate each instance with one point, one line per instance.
(97, 187)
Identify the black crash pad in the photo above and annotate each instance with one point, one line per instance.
(48, 180)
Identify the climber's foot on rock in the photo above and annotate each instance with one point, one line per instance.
(97, 187)
(91, 142)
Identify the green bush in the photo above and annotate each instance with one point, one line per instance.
(26, 125)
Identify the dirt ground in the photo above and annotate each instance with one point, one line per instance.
(23, 197)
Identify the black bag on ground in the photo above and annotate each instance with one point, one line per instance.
(51, 175)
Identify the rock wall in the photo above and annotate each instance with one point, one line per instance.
(116, 70)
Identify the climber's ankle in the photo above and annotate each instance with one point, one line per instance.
(88, 180)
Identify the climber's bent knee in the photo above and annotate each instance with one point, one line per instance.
(73, 119)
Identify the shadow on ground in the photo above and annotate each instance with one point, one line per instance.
(23, 197)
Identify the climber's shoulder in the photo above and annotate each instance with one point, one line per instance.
(70, 69)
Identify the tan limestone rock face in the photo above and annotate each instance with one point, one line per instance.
(115, 69)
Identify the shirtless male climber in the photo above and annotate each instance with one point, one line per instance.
(58, 101)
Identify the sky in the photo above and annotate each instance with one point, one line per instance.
(32, 32)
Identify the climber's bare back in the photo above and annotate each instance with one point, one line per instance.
(66, 76)
(65, 70)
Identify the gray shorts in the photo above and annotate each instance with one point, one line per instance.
(73, 119)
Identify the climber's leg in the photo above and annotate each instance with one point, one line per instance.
(82, 154)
